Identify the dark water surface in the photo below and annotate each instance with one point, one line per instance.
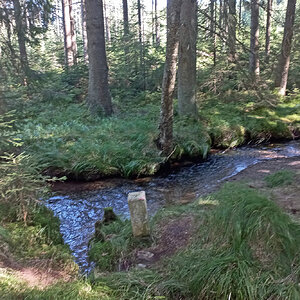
(78, 211)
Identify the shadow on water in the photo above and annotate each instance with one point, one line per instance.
(78, 211)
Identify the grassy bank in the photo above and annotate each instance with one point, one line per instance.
(240, 244)
(60, 134)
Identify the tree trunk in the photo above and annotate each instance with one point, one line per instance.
(187, 59)
(254, 41)
(165, 139)
(221, 14)
(212, 13)
(98, 91)
(125, 18)
(84, 37)
(139, 20)
(285, 55)
(73, 34)
(157, 30)
(268, 30)
(107, 27)
(231, 30)
(240, 12)
(20, 28)
(69, 38)
(225, 16)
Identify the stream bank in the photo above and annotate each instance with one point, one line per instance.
(79, 208)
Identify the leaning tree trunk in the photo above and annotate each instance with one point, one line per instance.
(231, 30)
(285, 55)
(99, 97)
(20, 28)
(268, 30)
(254, 41)
(187, 59)
(165, 139)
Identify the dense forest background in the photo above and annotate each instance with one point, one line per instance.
(96, 89)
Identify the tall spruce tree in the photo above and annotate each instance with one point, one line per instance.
(285, 54)
(187, 59)
(99, 98)
(165, 139)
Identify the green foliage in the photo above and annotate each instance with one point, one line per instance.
(246, 249)
(7, 139)
(243, 117)
(12, 288)
(21, 184)
(280, 178)
(117, 245)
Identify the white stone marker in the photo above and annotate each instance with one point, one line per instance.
(138, 213)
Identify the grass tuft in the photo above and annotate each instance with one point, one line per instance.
(280, 178)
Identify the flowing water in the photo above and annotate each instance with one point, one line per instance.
(78, 211)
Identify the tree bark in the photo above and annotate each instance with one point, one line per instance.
(187, 59)
(254, 41)
(99, 97)
(165, 139)
(20, 28)
(84, 35)
(268, 30)
(69, 33)
(240, 12)
(107, 25)
(212, 13)
(139, 20)
(157, 25)
(221, 14)
(285, 55)
(125, 18)
(231, 30)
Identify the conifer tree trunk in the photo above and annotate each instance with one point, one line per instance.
(231, 30)
(165, 139)
(211, 17)
(73, 33)
(125, 18)
(187, 59)
(139, 20)
(20, 28)
(254, 41)
(240, 12)
(221, 14)
(268, 30)
(107, 27)
(69, 33)
(99, 97)
(225, 16)
(285, 55)
(157, 25)
(126, 28)
(84, 36)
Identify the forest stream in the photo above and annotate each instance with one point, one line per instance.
(79, 209)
